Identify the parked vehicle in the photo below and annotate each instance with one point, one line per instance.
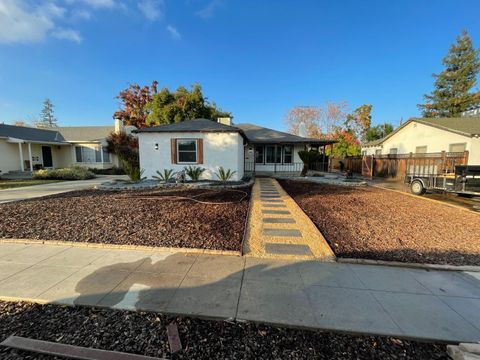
(465, 180)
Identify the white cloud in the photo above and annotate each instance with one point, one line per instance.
(209, 10)
(174, 32)
(152, 9)
(21, 24)
(100, 3)
(67, 34)
(81, 14)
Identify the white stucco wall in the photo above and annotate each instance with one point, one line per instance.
(219, 149)
(9, 157)
(436, 140)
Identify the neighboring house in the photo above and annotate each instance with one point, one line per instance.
(26, 148)
(209, 144)
(431, 135)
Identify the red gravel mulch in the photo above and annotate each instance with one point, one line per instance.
(378, 224)
(121, 218)
(145, 334)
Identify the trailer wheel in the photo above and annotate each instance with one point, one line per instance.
(417, 188)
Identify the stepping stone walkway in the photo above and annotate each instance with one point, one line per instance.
(278, 228)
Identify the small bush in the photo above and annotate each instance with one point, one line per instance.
(224, 175)
(194, 172)
(134, 173)
(166, 176)
(72, 173)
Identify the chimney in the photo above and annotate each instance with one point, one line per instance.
(225, 120)
(118, 126)
(302, 129)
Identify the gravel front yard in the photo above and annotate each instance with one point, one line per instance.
(152, 219)
(145, 333)
(378, 224)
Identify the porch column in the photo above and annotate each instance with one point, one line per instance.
(30, 156)
(101, 154)
(21, 155)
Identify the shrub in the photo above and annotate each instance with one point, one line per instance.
(194, 172)
(224, 175)
(72, 173)
(133, 172)
(126, 148)
(166, 176)
(308, 158)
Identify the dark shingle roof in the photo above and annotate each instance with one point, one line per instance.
(196, 125)
(258, 134)
(467, 126)
(85, 133)
(31, 134)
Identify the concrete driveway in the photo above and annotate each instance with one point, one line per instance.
(30, 192)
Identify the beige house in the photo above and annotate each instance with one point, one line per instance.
(23, 149)
(431, 135)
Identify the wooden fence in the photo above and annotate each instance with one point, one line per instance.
(398, 165)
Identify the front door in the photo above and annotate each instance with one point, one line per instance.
(47, 156)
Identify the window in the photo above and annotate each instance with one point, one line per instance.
(364, 152)
(259, 154)
(457, 147)
(393, 151)
(421, 150)
(378, 152)
(186, 151)
(287, 154)
(273, 154)
(85, 154)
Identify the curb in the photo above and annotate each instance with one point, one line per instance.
(470, 268)
(427, 199)
(120, 247)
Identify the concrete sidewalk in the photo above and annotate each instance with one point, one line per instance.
(366, 299)
(30, 192)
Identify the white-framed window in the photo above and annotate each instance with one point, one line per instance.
(393, 151)
(378, 152)
(85, 154)
(187, 151)
(421, 150)
(461, 147)
(273, 154)
(287, 154)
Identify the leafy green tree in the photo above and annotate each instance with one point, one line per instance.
(359, 120)
(47, 116)
(347, 143)
(452, 94)
(172, 107)
(378, 132)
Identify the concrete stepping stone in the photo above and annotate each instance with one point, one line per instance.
(270, 196)
(288, 249)
(282, 232)
(279, 220)
(274, 205)
(271, 200)
(276, 212)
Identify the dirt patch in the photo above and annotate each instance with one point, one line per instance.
(145, 333)
(150, 218)
(379, 224)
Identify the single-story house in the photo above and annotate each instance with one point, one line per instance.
(22, 149)
(243, 148)
(431, 135)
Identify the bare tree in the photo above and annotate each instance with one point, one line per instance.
(318, 121)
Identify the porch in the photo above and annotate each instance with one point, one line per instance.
(268, 158)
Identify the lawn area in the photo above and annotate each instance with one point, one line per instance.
(145, 333)
(8, 184)
(151, 218)
(378, 224)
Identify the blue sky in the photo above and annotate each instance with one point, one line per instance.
(254, 58)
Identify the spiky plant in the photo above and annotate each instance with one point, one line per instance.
(224, 175)
(308, 158)
(166, 176)
(194, 172)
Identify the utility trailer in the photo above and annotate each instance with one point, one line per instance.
(463, 180)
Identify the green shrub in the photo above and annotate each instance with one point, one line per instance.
(194, 172)
(308, 158)
(224, 175)
(72, 173)
(134, 173)
(166, 176)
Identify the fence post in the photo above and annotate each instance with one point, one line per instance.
(465, 157)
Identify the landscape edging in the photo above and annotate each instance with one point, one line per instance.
(120, 247)
(471, 268)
